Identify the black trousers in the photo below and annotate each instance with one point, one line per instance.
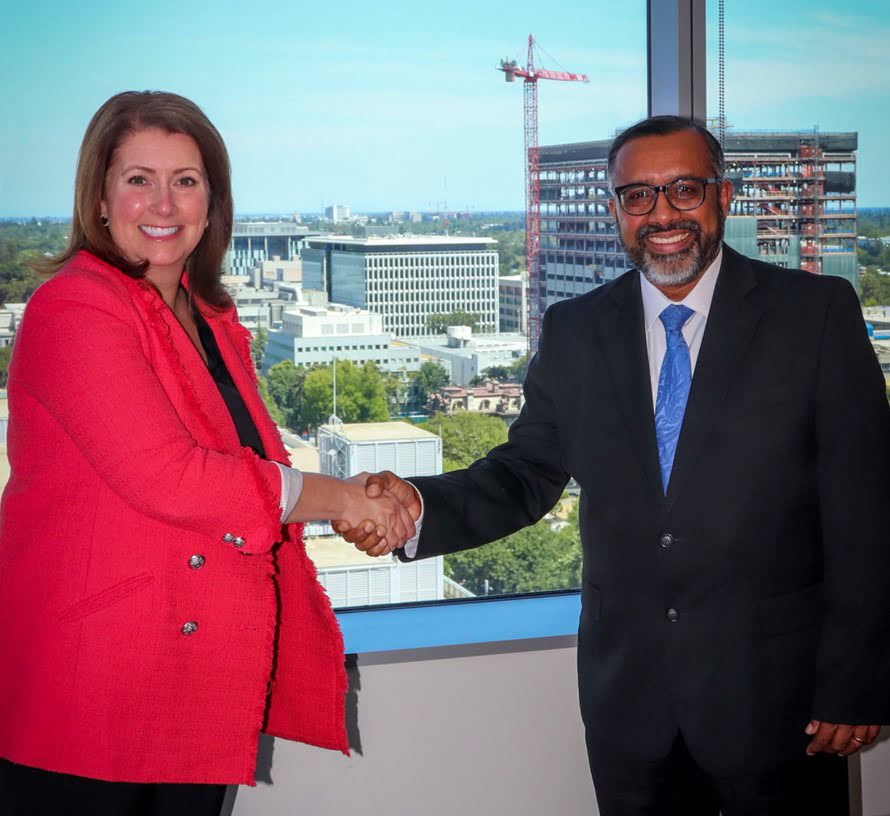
(32, 792)
(676, 786)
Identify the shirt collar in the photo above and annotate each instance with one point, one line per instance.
(699, 299)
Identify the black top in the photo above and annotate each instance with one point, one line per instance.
(248, 434)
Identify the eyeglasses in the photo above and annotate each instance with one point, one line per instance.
(682, 193)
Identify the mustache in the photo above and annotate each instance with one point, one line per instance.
(650, 229)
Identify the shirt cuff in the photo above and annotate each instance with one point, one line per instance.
(410, 548)
(291, 488)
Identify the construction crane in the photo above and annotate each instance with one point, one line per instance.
(530, 74)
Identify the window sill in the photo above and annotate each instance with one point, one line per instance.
(449, 623)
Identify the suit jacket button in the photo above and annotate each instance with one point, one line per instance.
(196, 561)
(673, 615)
(239, 542)
(189, 628)
(228, 538)
(666, 540)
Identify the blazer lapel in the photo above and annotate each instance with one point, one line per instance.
(622, 340)
(234, 346)
(732, 321)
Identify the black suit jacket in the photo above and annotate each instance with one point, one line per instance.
(770, 548)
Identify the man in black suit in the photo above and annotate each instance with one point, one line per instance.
(728, 425)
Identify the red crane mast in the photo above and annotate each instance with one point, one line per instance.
(530, 74)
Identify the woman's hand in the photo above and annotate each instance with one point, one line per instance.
(385, 516)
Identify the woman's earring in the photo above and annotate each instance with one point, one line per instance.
(103, 220)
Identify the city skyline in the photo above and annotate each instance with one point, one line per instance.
(373, 107)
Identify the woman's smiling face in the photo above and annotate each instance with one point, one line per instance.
(156, 199)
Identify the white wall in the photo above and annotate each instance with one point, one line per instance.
(489, 729)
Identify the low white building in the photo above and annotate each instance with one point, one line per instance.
(352, 578)
(465, 355)
(315, 335)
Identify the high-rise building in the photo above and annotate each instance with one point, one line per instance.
(256, 241)
(337, 213)
(794, 206)
(407, 279)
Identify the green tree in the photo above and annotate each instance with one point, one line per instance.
(5, 354)
(496, 372)
(429, 379)
(531, 560)
(874, 288)
(361, 395)
(397, 390)
(258, 347)
(519, 369)
(466, 437)
(21, 246)
(438, 323)
(285, 386)
(274, 411)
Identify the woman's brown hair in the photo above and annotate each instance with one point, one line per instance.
(127, 113)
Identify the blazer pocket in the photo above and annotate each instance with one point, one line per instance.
(792, 611)
(105, 598)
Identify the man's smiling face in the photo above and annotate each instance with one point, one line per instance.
(671, 247)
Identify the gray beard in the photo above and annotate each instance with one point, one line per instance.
(680, 269)
(672, 271)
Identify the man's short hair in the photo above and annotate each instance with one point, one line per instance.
(664, 126)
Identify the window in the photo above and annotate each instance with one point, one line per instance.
(807, 161)
(439, 132)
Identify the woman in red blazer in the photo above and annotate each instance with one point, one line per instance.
(158, 607)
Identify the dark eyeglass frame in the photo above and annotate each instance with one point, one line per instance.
(618, 192)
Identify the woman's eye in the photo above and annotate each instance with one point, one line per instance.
(188, 181)
(138, 180)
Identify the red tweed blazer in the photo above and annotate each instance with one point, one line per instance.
(126, 464)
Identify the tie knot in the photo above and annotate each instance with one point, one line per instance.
(674, 317)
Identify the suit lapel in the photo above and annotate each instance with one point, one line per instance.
(622, 339)
(735, 312)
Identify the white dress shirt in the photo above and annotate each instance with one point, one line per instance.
(291, 488)
(654, 303)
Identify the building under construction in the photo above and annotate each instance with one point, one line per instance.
(794, 206)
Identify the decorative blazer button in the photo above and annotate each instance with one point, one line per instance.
(228, 538)
(666, 540)
(673, 615)
(189, 628)
(196, 561)
(239, 542)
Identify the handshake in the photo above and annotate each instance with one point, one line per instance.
(383, 511)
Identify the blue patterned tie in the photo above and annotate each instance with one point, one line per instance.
(673, 388)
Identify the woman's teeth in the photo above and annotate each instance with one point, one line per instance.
(158, 232)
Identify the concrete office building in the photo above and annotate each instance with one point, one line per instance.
(465, 355)
(256, 241)
(795, 196)
(513, 303)
(315, 335)
(261, 308)
(407, 279)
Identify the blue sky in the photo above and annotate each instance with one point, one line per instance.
(390, 105)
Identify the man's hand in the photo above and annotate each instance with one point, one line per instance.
(842, 740)
(365, 536)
